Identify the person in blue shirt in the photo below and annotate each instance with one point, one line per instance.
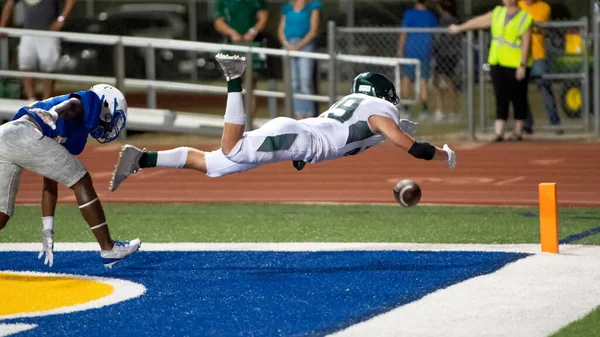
(44, 138)
(417, 46)
(298, 27)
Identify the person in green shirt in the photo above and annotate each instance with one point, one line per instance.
(240, 21)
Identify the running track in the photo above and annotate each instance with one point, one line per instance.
(490, 174)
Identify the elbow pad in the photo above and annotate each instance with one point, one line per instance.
(422, 150)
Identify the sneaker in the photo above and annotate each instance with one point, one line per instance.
(128, 164)
(233, 65)
(119, 251)
(424, 116)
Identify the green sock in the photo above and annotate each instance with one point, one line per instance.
(234, 85)
(148, 159)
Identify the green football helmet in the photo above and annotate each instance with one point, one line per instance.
(376, 85)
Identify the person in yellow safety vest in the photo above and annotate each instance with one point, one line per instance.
(510, 60)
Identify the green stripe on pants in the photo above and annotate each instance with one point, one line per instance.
(278, 143)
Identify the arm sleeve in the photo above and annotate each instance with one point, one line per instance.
(262, 5)
(219, 9)
(406, 20)
(381, 108)
(547, 13)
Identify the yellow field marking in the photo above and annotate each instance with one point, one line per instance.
(33, 293)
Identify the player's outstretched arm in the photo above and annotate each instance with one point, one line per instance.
(418, 149)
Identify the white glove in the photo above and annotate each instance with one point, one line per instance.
(451, 156)
(47, 247)
(408, 127)
(49, 117)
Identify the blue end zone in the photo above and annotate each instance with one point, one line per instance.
(253, 293)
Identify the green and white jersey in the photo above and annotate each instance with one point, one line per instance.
(343, 130)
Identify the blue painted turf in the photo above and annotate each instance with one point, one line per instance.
(253, 293)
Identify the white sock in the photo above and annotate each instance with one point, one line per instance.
(172, 158)
(234, 112)
(48, 223)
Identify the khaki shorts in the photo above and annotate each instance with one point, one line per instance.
(23, 146)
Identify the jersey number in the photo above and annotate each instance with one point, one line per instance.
(343, 110)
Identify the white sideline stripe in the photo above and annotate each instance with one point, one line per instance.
(285, 246)
(122, 291)
(11, 329)
(534, 296)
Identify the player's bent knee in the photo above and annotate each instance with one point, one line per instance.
(195, 160)
(84, 182)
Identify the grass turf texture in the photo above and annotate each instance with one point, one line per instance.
(585, 327)
(314, 223)
(305, 223)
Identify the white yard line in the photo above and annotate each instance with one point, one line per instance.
(535, 296)
(282, 246)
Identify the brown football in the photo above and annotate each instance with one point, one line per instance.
(407, 193)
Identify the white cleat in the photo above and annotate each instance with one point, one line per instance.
(451, 156)
(233, 65)
(119, 251)
(128, 164)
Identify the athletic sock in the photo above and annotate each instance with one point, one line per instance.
(175, 158)
(425, 107)
(148, 159)
(234, 112)
(234, 85)
(172, 158)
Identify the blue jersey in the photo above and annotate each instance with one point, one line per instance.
(70, 133)
(418, 45)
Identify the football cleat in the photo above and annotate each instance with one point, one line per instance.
(119, 251)
(233, 65)
(128, 164)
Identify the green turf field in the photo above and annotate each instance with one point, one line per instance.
(306, 223)
(315, 223)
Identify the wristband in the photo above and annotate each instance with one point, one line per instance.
(48, 223)
(253, 31)
(422, 150)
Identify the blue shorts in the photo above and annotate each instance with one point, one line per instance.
(409, 70)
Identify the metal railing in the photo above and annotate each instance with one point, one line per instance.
(152, 85)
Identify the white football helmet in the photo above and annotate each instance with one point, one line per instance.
(113, 116)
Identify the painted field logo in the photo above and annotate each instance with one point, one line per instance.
(33, 294)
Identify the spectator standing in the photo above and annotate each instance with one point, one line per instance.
(37, 52)
(298, 27)
(417, 46)
(240, 22)
(510, 60)
(540, 12)
(447, 52)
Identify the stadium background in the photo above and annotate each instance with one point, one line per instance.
(276, 204)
